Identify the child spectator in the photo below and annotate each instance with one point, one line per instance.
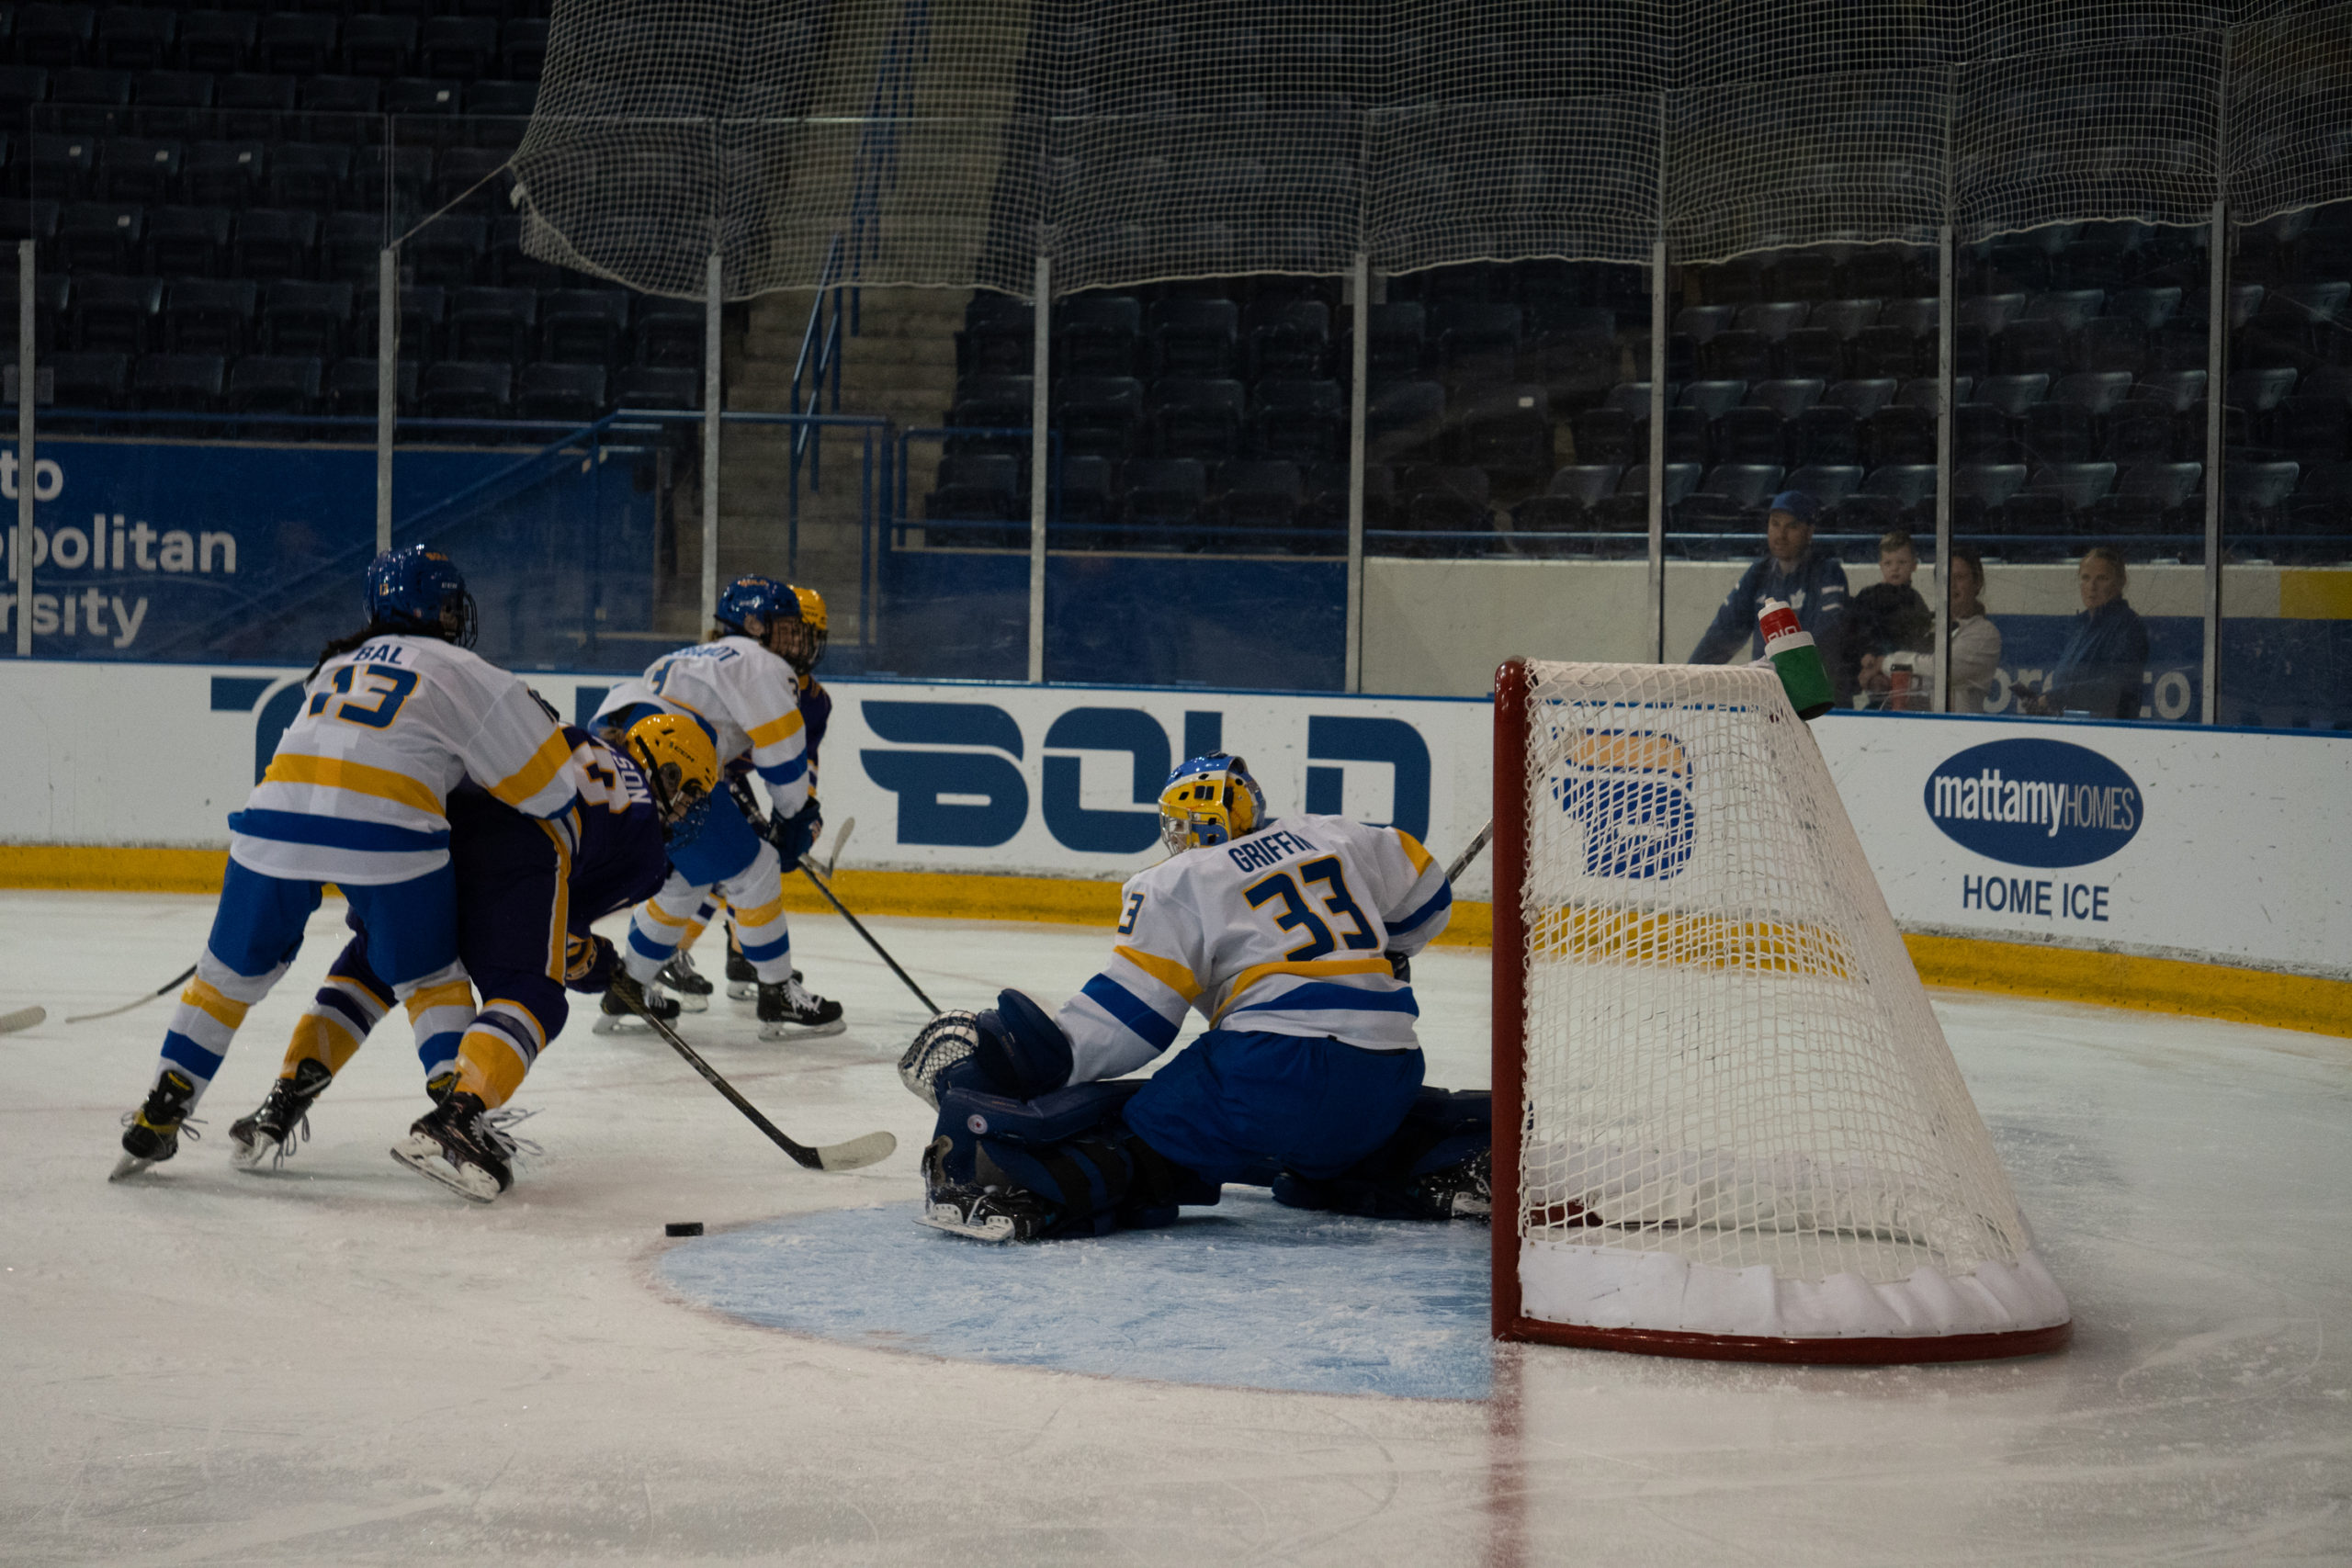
(1975, 650)
(1888, 616)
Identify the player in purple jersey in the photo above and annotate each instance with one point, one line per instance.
(525, 903)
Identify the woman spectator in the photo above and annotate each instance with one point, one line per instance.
(1975, 649)
(2104, 661)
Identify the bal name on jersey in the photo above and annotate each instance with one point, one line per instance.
(356, 791)
(1285, 931)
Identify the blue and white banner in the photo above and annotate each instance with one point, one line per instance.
(2223, 844)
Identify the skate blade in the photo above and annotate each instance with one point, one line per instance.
(476, 1186)
(129, 1164)
(607, 1024)
(946, 1217)
(688, 1001)
(259, 1158)
(802, 1030)
(742, 991)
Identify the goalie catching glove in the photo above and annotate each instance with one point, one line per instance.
(1014, 1048)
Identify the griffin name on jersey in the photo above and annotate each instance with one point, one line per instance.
(1285, 931)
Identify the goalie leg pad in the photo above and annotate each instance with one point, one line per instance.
(1443, 1132)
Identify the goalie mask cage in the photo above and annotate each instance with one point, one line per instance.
(1726, 1122)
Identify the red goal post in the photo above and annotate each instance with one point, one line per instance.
(1827, 1236)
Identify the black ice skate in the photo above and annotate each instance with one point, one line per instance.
(615, 1016)
(463, 1147)
(983, 1213)
(1465, 1191)
(742, 980)
(151, 1135)
(789, 1012)
(264, 1141)
(684, 984)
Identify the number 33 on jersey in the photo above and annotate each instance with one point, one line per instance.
(1285, 931)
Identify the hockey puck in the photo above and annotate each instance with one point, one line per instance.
(683, 1227)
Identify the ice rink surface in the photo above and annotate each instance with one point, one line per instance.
(344, 1363)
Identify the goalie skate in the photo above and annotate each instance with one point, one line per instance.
(998, 1214)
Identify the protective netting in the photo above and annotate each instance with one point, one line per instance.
(904, 144)
(1741, 1116)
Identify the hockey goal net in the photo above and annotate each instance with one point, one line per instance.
(1726, 1122)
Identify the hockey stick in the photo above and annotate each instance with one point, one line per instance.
(840, 838)
(809, 869)
(850, 1156)
(23, 1018)
(759, 821)
(168, 984)
(1462, 861)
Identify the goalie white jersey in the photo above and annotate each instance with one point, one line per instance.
(355, 791)
(746, 696)
(1283, 930)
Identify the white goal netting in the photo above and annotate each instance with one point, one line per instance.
(908, 143)
(1741, 1116)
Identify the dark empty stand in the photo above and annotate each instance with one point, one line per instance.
(458, 389)
(116, 315)
(572, 393)
(270, 384)
(210, 315)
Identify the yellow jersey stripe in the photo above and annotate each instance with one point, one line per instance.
(1167, 971)
(1420, 857)
(533, 775)
(1321, 968)
(333, 772)
(661, 916)
(450, 994)
(780, 729)
(766, 914)
(560, 915)
(226, 1011)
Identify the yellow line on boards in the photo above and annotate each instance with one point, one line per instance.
(2127, 980)
(2060, 974)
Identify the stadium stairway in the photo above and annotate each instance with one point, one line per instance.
(901, 365)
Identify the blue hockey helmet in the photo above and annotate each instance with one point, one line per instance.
(420, 590)
(1209, 800)
(748, 598)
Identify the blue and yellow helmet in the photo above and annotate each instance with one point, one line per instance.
(1209, 800)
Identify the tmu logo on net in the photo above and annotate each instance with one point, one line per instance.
(2034, 803)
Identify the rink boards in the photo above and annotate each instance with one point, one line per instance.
(2183, 842)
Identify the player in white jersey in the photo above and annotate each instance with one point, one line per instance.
(398, 715)
(1293, 938)
(741, 686)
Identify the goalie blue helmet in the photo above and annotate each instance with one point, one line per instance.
(420, 590)
(1209, 800)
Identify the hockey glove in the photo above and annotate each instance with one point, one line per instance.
(943, 1041)
(588, 963)
(1400, 964)
(796, 835)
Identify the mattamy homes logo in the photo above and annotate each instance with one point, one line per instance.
(2032, 802)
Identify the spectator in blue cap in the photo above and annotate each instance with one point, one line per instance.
(1811, 583)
